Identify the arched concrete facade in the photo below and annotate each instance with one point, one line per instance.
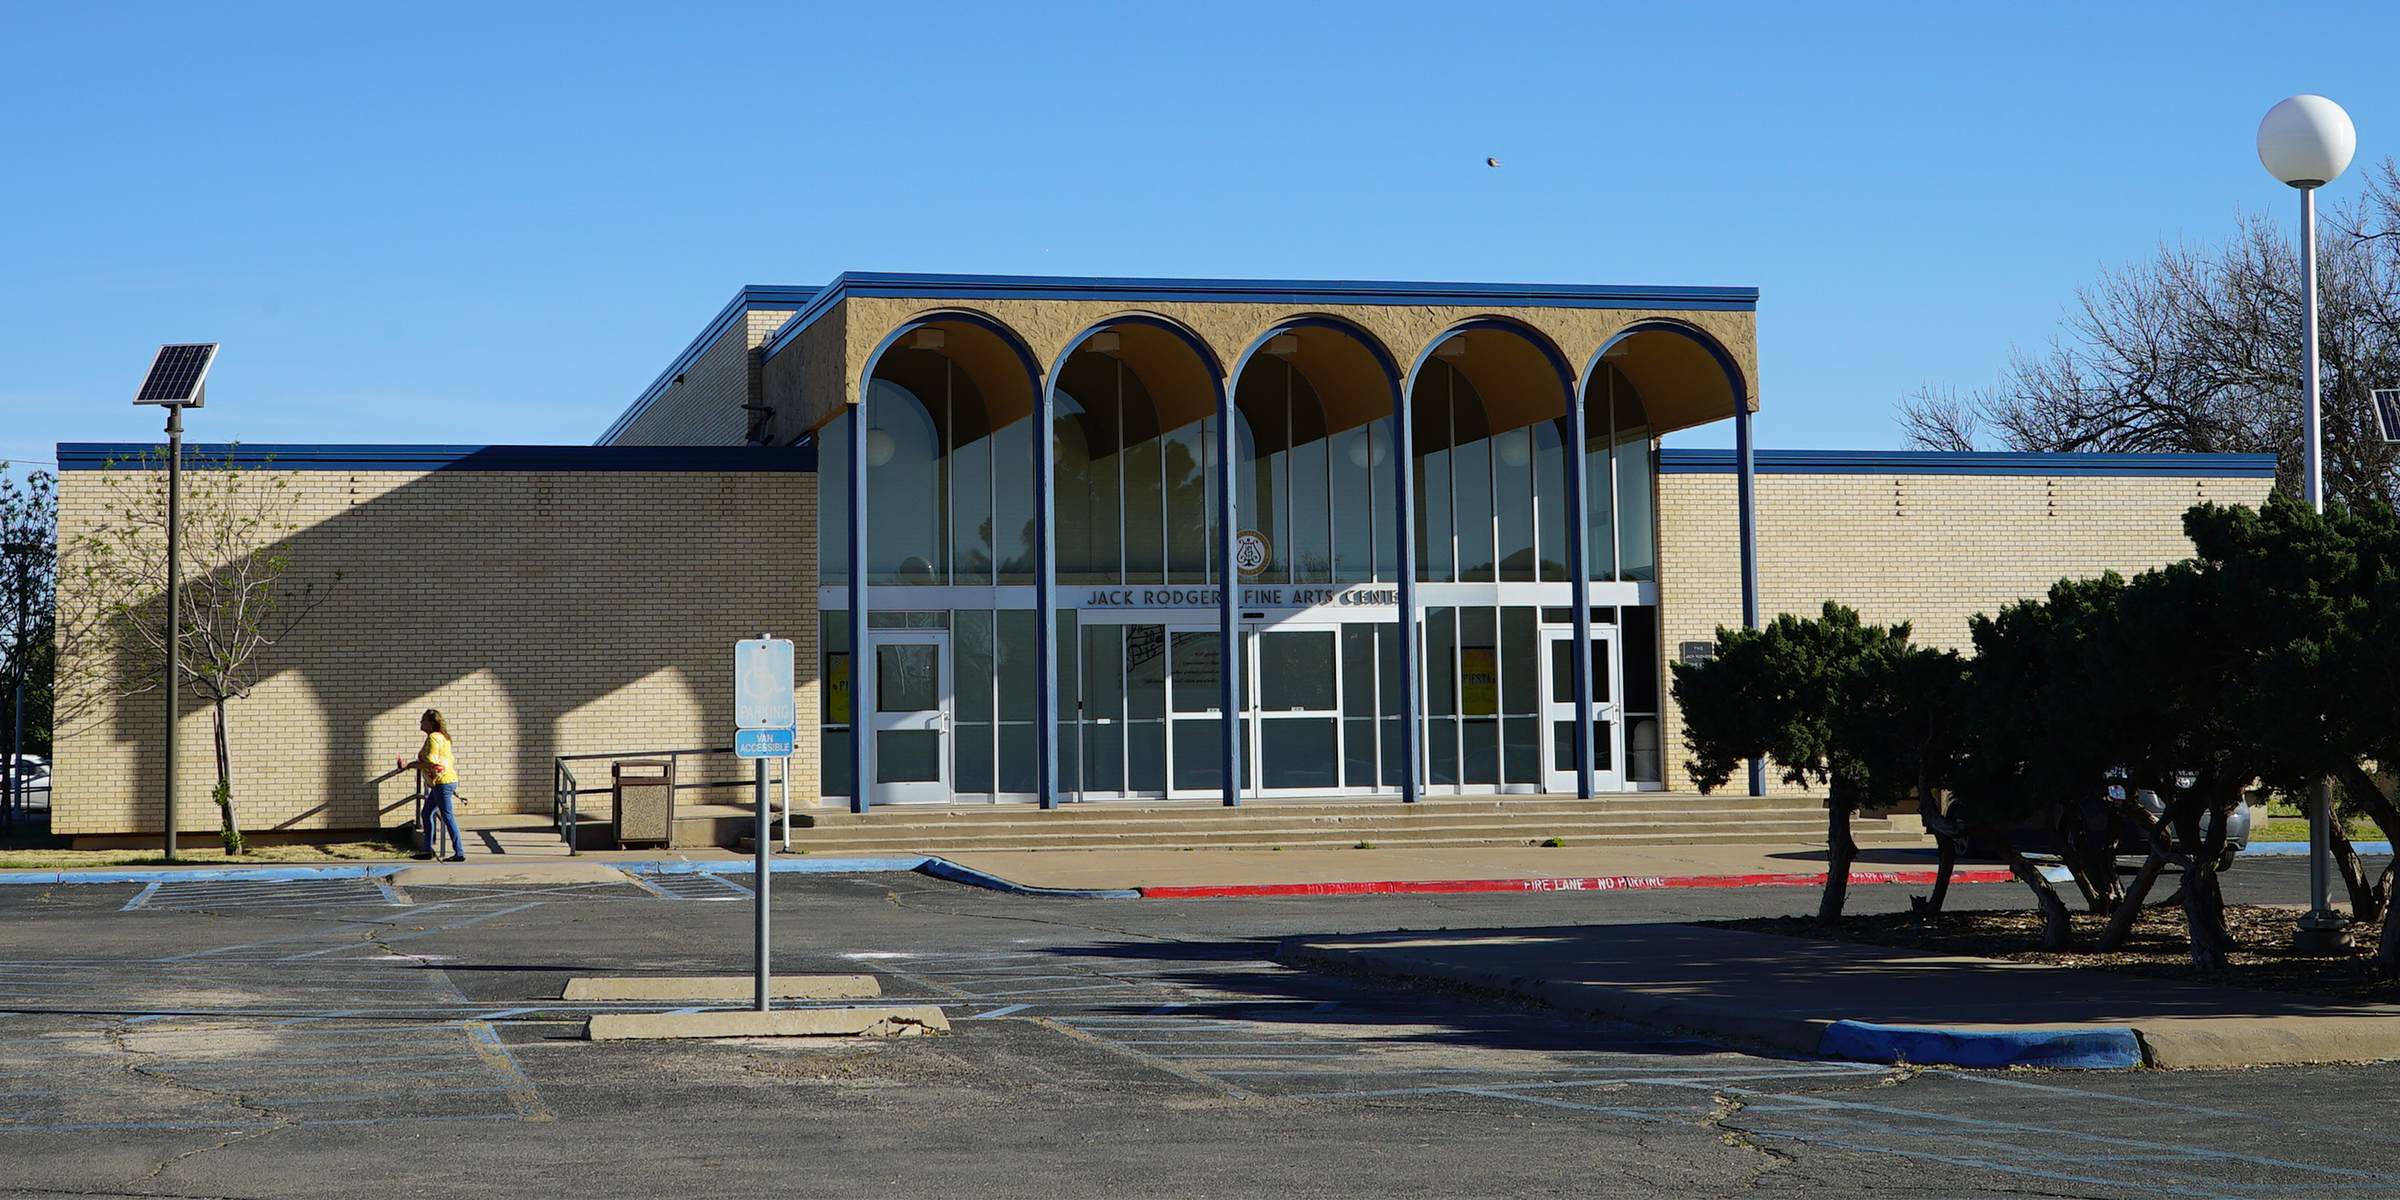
(1191, 357)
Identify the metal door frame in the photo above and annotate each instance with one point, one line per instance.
(1605, 718)
(941, 719)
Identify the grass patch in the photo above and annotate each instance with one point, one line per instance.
(2159, 946)
(2296, 830)
(208, 855)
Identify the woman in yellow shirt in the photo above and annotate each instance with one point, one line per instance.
(436, 765)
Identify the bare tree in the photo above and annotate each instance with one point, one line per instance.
(2199, 351)
(239, 597)
(28, 566)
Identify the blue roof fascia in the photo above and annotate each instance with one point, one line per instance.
(1258, 291)
(752, 296)
(94, 456)
(1952, 462)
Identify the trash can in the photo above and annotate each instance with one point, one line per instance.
(644, 791)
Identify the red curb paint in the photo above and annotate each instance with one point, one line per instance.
(1600, 883)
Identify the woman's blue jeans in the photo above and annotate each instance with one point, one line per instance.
(437, 805)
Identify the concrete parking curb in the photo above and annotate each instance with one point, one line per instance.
(2090, 1049)
(165, 874)
(2274, 849)
(1600, 883)
(942, 868)
(779, 866)
(884, 1021)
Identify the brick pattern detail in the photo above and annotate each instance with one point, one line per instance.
(543, 613)
(706, 408)
(1932, 550)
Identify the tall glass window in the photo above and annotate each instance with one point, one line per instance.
(1488, 499)
(1619, 471)
(1136, 502)
(833, 502)
(1315, 483)
(833, 698)
(1483, 698)
(949, 497)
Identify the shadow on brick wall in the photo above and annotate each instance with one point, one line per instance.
(545, 612)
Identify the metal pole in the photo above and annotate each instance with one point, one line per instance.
(758, 951)
(1579, 569)
(1229, 599)
(1045, 591)
(174, 681)
(2313, 466)
(1746, 498)
(862, 658)
(1410, 658)
(2321, 928)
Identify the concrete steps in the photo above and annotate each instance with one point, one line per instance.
(1639, 819)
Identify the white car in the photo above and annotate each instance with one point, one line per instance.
(33, 778)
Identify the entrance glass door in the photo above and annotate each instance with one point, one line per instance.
(910, 718)
(1559, 715)
(1295, 699)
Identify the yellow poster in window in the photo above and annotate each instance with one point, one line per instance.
(1478, 681)
(837, 689)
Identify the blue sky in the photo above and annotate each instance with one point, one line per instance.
(495, 223)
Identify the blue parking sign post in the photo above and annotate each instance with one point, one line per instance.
(764, 716)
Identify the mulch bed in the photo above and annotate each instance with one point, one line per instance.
(2159, 946)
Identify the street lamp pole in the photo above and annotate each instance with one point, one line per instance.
(2307, 141)
(174, 683)
(178, 379)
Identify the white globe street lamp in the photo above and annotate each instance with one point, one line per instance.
(2307, 141)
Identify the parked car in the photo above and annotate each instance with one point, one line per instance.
(33, 778)
(2044, 835)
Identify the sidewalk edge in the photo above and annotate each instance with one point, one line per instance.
(1588, 883)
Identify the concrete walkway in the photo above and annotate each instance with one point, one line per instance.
(1869, 1002)
(1403, 868)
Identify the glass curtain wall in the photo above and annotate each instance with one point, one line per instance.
(1618, 478)
(1483, 694)
(949, 502)
(1313, 483)
(1490, 502)
(949, 496)
(1136, 499)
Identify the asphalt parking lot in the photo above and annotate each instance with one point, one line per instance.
(343, 1036)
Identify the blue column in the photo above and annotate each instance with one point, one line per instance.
(1045, 592)
(1746, 497)
(862, 660)
(1404, 523)
(1579, 555)
(1229, 600)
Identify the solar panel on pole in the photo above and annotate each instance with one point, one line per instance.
(2387, 413)
(178, 375)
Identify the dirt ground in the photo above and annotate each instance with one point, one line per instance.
(2159, 946)
(201, 851)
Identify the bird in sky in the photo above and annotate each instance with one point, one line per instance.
(1491, 162)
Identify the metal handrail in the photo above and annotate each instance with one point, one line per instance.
(565, 814)
(565, 807)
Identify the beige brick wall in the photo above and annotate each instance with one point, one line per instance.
(544, 613)
(1932, 550)
(706, 408)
